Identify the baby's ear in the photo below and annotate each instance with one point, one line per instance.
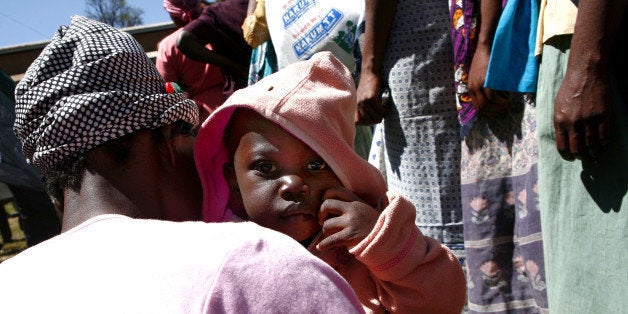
(235, 196)
(167, 135)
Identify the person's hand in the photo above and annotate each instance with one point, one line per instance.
(346, 219)
(239, 75)
(485, 100)
(370, 109)
(582, 114)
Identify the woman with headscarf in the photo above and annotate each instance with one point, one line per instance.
(203, 82)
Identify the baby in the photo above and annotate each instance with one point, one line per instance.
(280, 153)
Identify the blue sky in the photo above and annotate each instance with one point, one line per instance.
(25, 21)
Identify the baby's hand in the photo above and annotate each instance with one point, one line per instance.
(346, 219)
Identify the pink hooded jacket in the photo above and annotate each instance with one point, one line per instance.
(395, 267)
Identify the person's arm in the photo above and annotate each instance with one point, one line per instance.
(484, 99)
(582, 104)
(164, 62)
(251, 8)
(254, 28)
(378, 17)
(412, 273)
(192, 47)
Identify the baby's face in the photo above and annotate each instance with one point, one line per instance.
(280, 179)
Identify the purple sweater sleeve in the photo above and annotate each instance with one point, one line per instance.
(278, 275)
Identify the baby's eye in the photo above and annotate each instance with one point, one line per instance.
(318, 164)
(263, 167)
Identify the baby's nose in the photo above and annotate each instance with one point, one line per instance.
(293, 187)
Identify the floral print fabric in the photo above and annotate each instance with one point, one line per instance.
(464, 15)
(502, 228)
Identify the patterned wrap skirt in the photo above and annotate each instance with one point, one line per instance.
(417, 145)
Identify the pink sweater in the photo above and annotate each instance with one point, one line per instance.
(116, 264)
(395, 267)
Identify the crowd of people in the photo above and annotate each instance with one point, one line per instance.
(378, 156)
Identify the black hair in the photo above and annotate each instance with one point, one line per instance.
(67, 174)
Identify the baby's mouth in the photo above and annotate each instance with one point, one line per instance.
(296, 210)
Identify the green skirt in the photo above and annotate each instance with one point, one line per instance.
(584, 204)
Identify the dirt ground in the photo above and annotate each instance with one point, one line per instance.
(19, 242)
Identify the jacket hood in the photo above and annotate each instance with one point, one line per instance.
(315, 101)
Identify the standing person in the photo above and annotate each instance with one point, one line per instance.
(5, 228)
(202, 82)
(502, 228)
(583, 154)
(407, 46)
(220, 24)
(256, 33)
(38, 217)
(285, 146)
(116, 149)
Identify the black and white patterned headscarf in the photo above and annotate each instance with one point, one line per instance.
(91, 84)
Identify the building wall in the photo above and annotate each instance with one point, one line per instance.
(15, 59)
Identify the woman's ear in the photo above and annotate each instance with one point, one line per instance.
(58, 205)
(167, 147)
